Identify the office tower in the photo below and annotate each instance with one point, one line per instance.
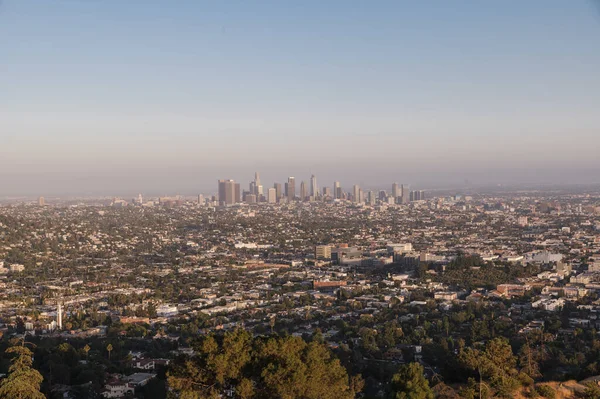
(59, 316)
(272, 196)
(201, 199)
(356, 193)
(323, 252)
(382, 195)
(417, 195)
(405, 194)
(337, 190)
(291, 189)
(252, 187)
(256, 186)
(396, 193)
(327, 192)
(236, 193)
(41, 201)
(256, 179)
(278, 190)
(314, 189)
(303, 192)
(371, 197)
(229, 192)
(251, 198)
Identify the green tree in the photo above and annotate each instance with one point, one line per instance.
(410, 383)
(276, 367)
(23, 381)
(496, 365)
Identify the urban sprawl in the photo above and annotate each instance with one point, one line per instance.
(318, 292)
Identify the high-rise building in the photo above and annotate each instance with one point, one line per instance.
(303, 192)
(323, 252)
(417, 195)
(229, 192)
(256, 187)
(327, 192)
(337, 190)
(251, 198)
(201, 199)
(278, 190)
(291, 189)
(59, 316)
(41, 201)
(256, 179)
(405, 194)
(356, 193)
(396, 193)
(314, 189)
(272, 196)
(371, 197)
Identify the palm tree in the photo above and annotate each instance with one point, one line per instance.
(109, 348)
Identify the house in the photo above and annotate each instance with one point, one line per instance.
(117, 388)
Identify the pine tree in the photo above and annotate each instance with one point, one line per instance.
(23, 381)
(410, 383)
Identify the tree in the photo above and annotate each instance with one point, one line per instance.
(23, 381)
(259, 367)
(410, 383)
(496, 365)
(86, 350)
(109, 348)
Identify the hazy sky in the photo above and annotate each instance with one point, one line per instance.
(121, 96)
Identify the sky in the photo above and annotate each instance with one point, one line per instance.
(165, 97)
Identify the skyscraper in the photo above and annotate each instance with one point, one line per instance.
(396, 193)
(272, 196)
(229, 192)
(257, 189)
(314, 189)
(256, 179)
(59, 316)
(303, 193)
(327, 192)
(356, 193)
(41, 201)
(337, 190)
(278, 190)
(291, 189)
(405, 194)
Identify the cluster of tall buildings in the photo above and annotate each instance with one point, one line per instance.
(230, 193)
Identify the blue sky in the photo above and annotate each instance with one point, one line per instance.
(163, 96)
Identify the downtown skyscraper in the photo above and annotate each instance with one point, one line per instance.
(229, 192)
(314, 189)
(290, 189)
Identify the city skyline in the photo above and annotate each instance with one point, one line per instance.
(148, 98)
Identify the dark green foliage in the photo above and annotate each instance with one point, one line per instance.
(410, 383)
(23, 381)
(261, 368)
